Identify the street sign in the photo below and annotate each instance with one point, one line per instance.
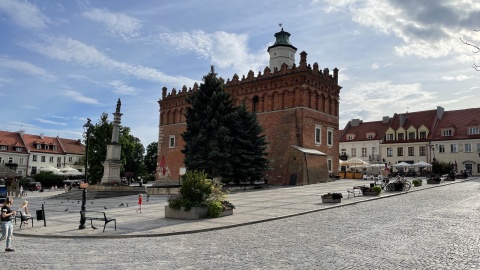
(83, 185)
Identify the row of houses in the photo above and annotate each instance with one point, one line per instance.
(28, 154)
(432, 135)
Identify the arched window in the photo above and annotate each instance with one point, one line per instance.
(255, 104)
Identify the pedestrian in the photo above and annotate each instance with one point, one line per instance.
(7, 227)
(140, 202)
(24, 210)
(21, 191)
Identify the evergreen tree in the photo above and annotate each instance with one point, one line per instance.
(208, 136)
(248, 147)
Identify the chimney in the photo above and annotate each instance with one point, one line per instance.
(355, 122)
(440, 111)
(41, 136)
(386, 119)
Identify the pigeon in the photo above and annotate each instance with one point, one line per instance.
(91, 202)
(68, 199)
(93, 227)
(104, 207)
(61, 202)
(78, 201)
(66, 209)
(148, 196)
(121, 205)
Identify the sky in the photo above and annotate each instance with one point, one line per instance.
(62, 62)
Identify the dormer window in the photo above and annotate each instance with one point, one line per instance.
(54, 147)
(423, 134)
(47, 147)
(401, 136)
(473, 131)
(39, 146)
(350, 137)
(3, 148)
(389, 137)
(18, 149)
(370, 135)
(447, 132)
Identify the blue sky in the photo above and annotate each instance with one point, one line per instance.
(64, 61)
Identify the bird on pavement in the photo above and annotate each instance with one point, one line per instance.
(104, 207)
(91, 202)
(78, 201)
(66, 209)
(121, 205)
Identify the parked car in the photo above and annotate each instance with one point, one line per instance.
(32, 186)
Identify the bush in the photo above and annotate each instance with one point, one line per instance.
(416, 182)
(377, 189)
(214, 209)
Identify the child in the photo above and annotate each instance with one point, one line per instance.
(140, 202)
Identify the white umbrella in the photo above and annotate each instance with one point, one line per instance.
(422, 164)
(402, 165)
(377, 165)
(356, 162)
(71, 171)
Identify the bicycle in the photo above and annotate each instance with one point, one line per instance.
(23, 194)
(400, 180)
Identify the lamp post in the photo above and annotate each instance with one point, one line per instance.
(86, 128)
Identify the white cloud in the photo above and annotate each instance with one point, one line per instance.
(28, 107)
(117, 23)
(371, 101)
(374, 66)
(25, 67)
(122, 88)
(74, 51)
(49, 122)
(224, 50)
(24, 14)
(456, 78)
(428, 29)
(79, 97)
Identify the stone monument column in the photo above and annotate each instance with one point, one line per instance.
(112, 165)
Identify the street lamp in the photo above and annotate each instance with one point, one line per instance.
(86, 128)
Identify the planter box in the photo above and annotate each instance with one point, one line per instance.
(227, 212)
(432, 181)
(369, 193)
(193, 213)
(331, 200)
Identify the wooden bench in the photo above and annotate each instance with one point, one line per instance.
(355, 189)
(22, 218)
(97, 215)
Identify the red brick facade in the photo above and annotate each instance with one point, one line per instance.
(291, 103)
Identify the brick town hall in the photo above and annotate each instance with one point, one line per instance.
(297, 107)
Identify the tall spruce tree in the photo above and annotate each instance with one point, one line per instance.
(208, 137)
(249, 147)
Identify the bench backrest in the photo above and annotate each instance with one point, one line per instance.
(95, 214)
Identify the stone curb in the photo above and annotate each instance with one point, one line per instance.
(239, 224)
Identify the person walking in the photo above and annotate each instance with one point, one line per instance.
(7, 227)
(140, 202)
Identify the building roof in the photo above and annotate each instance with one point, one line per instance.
(32, 140)
(72, 146)
(377, 128)
(12, 140)
(282, 40)
(460, 121)
(415, 119)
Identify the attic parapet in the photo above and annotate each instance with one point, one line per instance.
(174, 94)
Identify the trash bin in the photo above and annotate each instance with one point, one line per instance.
(39, 215)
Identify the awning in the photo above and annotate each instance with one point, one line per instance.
(309, 151)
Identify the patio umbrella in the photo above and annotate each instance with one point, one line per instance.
(356, 162)
(402, 165)
(70, 171)
(422, 164)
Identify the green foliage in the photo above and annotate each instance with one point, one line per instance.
(214, 209)
(131, 155)
(48, 179)
(220, 139)
(150, 158)
(175, 202)
(440, 167)
(248, 147)
(195, 190)
(208, 135)
(416, 182)
(377, 189)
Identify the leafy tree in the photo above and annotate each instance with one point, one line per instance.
(150, 158)
(249, 147)
(208, 136)
(131, 155)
